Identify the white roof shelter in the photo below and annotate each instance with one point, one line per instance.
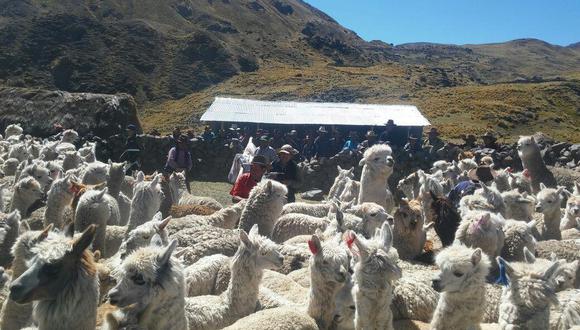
(309, 113)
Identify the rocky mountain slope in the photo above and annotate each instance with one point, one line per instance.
(174, 56)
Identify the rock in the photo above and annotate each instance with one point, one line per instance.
(38, 110)
(558, 147)
(313, 195)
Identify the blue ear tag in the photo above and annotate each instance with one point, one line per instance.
(502, 279)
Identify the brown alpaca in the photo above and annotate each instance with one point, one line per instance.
(180, 211)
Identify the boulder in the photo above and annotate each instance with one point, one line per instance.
(38, 110)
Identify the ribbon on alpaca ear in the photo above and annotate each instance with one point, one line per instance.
(502, 279)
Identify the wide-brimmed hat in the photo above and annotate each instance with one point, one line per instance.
(182, 138)
(411, 137)
(132, 127)
(322, 129)
(390, 122)
(234, 127)
(433, 130)
(293, 132)
(260, 160)
(264, 138)
(287, 149)
(371, 133)
(482, 173)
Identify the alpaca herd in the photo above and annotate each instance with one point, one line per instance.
(83, 246)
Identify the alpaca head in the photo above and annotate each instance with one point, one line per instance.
(147, 195)
(376, 263)
(379, 158)
(142, 235)
(329, 263)
(531, 285)
(231, 214)
(460, 266)
(116, 171)
(176, 182)
(29, 189)
(12, 129)
(40, 173)
(567, 276)
(526, 146)
(69, 136)
(147, 275)
(22, 248)
(467, 164)
(259, 249)
(548, 200)
(492, 196)
(452, 172)
(501, 179)
(409, 215)
(573, 206)
(519, 236)
(373, 216)
(55, 265)
(271, 193)
(409, 185)
(10, 224)
(48, 151)
(429, 184)
(63, 190)
(351, 191)
(520, 181)
(19, 151)
(517, 203)
(72, 159)
(344, 173)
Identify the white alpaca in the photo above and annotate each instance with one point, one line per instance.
(98, 208)
(482, 230)
(3, 187)
(10, 226)
(467, 164)
(501, 182)
(69, 136)
(318, 210)
(518, 235)
(59, 197)
(493, 197)
(226, 218)
(19, 151)
(470, 203)
(339, 182)
(63, 282)
(254, 254)
(10, 166)
(548, 203)
(350, 192)
(115, 179)
(180, 196)
(374, 274)
(461, 282)
(13, 130)
(95, 173)
(151, 281)
(328, 273)
(146, 200)
(377, 165)
(410, 186)
(26, 192)
(72, 160)
(572, 213)
(521, 182)
(518, 206)
(40, 173)
(566, 315)
(408, 229)
(264, 206)
(565, 278)
(429, 186)
(17, 316)
(525, 302)
(48, 151)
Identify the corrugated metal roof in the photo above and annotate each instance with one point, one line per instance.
(292, 113)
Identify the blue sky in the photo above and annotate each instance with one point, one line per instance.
(457, 21)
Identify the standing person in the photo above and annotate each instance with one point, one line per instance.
(351, 141)
(207, 135)
(132, 151)
(322, 145)
(388, 135)
(179, 159)
(285, 170)
(245, 182)
(265, 150)
(434, 142)
(292, 139)
(307, 148)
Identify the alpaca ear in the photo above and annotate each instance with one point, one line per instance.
(351, 170)
(110, 162)
(269, 187)
(163, 223)
(349, 238)
(254, 231)
(157, 217)
(23, 228)
(164, 257)
(14, 217)
(83, 242)
(154, 182)
(476, 256)
(386, 236)
(339, 219)
(361, 162)
(550, 272)
(511, 272)
(432, 194)
(140, 177)
(339, 168)
(69, 229)
(102, 193)
(529, 257)
(245, 239)
(314, 245)
(542, 186)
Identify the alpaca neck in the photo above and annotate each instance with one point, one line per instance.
(552, 224)
(373, 186)
(168, 310)
(140, 213)
(55, 208)
(114, 187)
(21, 203)
(260, 212)
(243, 288)
(321, 304)
(378, 299)
(74, 308)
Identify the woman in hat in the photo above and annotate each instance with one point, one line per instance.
(285, 170)
(179, 159)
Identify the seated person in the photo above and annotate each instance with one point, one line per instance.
(285, 170)
(247, 181)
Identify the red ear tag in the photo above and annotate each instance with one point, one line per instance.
(312, 247)
(350, 240)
